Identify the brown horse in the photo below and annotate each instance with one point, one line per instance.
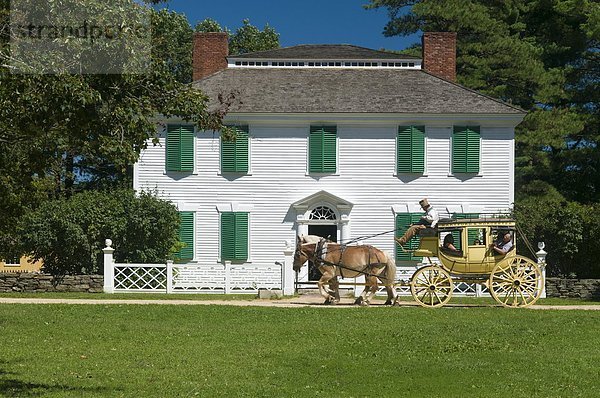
(335, 260)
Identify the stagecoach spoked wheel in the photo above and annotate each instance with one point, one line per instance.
(516, 282)
(431, 286)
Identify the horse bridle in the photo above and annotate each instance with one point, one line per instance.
(299, 252)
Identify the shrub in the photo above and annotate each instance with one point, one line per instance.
(68, 234)
(570, 231)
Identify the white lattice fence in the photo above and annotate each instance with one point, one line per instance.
(198, 279)
(190, 278)
(229, 278)
(136, 277)
(404, 274)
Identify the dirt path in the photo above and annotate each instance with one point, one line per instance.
(295, 302)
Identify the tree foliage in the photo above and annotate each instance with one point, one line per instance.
(541, 55)
(65, 132)
(246, 39)
(68, 234)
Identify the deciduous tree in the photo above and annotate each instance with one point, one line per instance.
(246, 39)
(64, 132)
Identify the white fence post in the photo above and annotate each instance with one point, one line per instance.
(109, 267)
(227, 277)
(169, 276)
(541, 259)
(287, 270)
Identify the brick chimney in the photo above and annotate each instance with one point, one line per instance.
(439, 54)
(209, 53)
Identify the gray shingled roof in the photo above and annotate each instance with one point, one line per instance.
(273, 90)
(323, 51)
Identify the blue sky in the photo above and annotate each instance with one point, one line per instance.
(301, 21)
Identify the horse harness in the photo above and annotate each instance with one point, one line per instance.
(321, 252)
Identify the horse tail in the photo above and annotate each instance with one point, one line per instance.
(390, 269)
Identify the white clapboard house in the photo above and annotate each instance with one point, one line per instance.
(334, 140)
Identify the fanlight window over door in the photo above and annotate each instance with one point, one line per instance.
(322, 213)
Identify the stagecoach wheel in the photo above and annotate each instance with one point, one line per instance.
(431, 286)
(516, 282)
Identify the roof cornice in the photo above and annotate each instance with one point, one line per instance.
(444, 119)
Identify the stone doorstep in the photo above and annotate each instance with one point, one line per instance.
(270, 294)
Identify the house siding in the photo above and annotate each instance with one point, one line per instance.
(365, 176)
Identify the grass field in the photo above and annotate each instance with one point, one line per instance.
(249, 297)
(228, 351)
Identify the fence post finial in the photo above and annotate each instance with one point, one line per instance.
(541, 259)
(109, 267)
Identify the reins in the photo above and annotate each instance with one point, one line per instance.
(527, 243)
(366, 237)
(316, 259)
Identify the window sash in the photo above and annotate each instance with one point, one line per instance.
(471, 232)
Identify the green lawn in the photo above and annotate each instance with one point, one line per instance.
(224, 351)
(160, 296)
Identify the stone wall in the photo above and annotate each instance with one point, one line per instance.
(33, 283)
(573, 288)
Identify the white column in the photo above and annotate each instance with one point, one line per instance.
(302, 229)
(345, 228)
(109, 267)
(169, 276)
(541, 259)
(287, 269)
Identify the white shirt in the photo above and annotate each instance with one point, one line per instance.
(505, 247)
(432, 216)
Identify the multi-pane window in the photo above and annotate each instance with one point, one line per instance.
(473, 234)
(465, 149)
(403, 222)
(322, 148)
(234, 236)
(180, 147)
(186, 235)
(410, 149)
(234, 154)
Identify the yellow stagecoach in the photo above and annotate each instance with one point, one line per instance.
(512, 280)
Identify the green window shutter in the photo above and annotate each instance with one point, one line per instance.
(241, 236)
(473, 150)
(234, 236)
(227, 236)
(322, 145)
(465, 149)
(186, 235)
(403, 220)
(234, 154)
(180, 147)
(173, 145)
(410, 144)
